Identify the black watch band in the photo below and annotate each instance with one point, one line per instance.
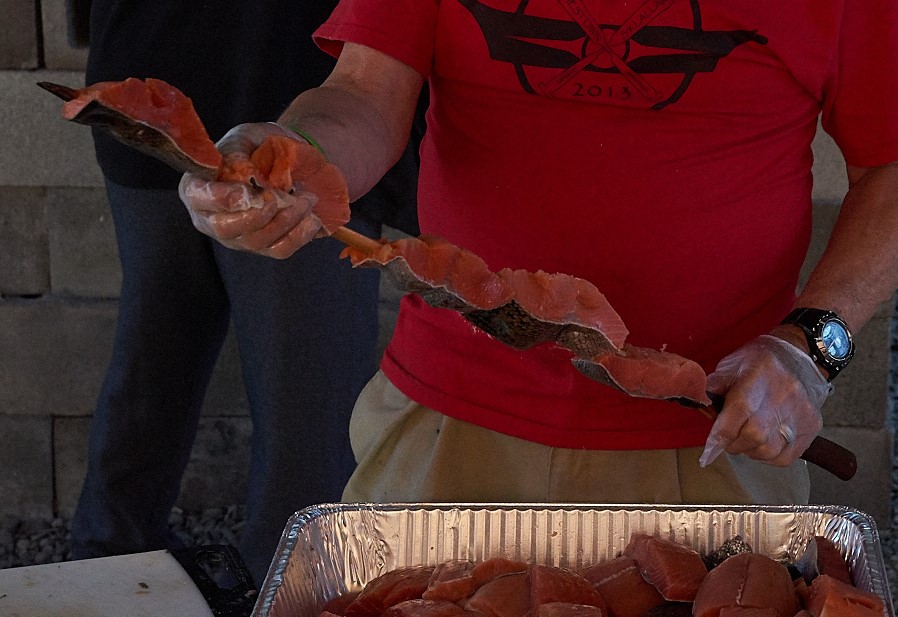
(829, 340)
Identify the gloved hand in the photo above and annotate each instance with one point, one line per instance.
(241, 216)
(774, 392)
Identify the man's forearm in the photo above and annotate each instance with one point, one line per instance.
(350, 131)
(859, 269)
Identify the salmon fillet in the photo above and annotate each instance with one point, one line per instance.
(830, 597)
(674, 569)
(648, 373)
(621, 584)
(747, 580)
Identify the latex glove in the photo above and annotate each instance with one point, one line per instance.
(774, 392)
(266, 221)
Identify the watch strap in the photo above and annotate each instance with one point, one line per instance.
(810, 321)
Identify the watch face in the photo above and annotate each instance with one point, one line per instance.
(836, 340)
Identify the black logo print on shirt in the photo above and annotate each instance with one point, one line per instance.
(642, 61)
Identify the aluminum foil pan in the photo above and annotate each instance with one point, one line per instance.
(329, 549)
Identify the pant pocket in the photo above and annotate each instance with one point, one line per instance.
(379, 406)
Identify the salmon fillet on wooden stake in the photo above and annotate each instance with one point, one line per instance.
(523, 309)
(160, 120)
(517, 307)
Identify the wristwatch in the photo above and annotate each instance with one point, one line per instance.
(828, 337)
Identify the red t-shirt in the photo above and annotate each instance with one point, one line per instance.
(673, 172)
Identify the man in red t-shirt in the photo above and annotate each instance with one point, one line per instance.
(661, 152)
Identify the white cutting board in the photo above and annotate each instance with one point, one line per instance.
(149, 584)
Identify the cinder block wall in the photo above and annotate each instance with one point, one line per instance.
(59, 280)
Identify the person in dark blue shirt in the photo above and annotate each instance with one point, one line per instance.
(306, 327)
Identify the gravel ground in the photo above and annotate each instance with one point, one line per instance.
(31, 542)
(39, 541)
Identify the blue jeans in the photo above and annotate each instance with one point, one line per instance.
(306, 329)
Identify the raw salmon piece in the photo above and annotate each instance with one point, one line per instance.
(486, 571)
(237, 167)
(275, 159)
(649, 373)
(479, 286)
(462, 273)
(545, 296)
(357, 256)
(424, 608)
(444, 275)
(279, 162)
(337, 606)
(288, 165)
(622, 586)
(593, 308)
(744, 611)
(451, 581)
(329, 185)
(156, 104)
(412, 250)
(830, 560)
(802, 591)
(747, 580)
(830, 597)
(675, 570)
(566, 609)
(554, 584)
(544, 308)
(507, 595)
(565, 299)
(388, 589)
(438, 259)
(520, 308)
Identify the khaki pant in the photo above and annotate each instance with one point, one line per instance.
(408, 452)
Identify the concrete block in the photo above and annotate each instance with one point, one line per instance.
(869, 490)
(830, 179)
(24, 258)
(38, 147)
(83, 251)
(59, 51)
(26, 458)
(215, 475)
(18, 45)
(54, 354)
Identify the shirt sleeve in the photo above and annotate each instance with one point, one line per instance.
(860, 107)
(402, 29)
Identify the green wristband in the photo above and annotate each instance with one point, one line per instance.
(309, 139)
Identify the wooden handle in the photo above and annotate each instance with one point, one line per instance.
(826, 454)
(356, 240)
